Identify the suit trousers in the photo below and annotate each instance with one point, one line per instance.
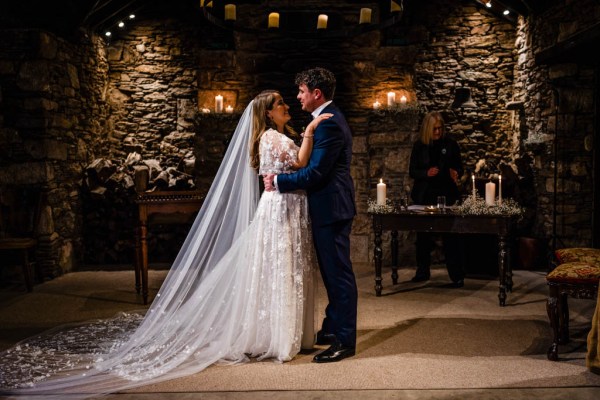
(332, 244)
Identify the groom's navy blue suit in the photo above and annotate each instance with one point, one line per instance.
(330, 192)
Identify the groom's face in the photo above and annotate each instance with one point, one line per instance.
(310, 100)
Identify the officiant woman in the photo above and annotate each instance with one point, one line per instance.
(436, 167)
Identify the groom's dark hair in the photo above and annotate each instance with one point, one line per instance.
(318, 78)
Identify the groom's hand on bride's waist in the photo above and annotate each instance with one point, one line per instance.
(268, 180)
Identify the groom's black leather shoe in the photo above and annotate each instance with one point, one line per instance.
(325, 338)
(336, 352)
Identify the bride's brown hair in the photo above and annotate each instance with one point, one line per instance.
(263, 102)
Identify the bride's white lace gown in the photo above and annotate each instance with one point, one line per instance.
(257, 301)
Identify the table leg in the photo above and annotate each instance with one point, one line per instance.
(508, 266)
(138, 258)
(144, 266)
(394, 257)
(502, 276)
(552, 310)
(27, 270)
(377, 255)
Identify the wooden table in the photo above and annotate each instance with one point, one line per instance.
(166, 207)
(500, 225)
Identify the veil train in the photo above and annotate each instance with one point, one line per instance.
(130, 350)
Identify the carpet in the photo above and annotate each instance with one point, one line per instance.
(415, 336)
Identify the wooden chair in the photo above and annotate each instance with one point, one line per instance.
(576, 275)
(18, 216)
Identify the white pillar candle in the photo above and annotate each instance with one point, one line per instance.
(365, 16)
(322, 21)
(274, 20)
(381, 193)
(490, 193)
(499, 189)
(219, 103)
(403, 100)
(391, 97)
(229, 110)
(376, 105)
(473, 179)
(229, 12)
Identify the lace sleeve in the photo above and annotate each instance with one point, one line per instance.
(278, 153)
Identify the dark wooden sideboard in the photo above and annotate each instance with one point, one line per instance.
(164, 207)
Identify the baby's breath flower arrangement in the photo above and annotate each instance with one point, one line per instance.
(375, 208)
(478, 206)
(401, 108)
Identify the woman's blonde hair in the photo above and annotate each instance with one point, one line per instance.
(428, 124)
(263, 102)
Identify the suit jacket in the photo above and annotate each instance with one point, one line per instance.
(326, 178)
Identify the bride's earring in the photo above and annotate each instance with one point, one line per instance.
(271, 121)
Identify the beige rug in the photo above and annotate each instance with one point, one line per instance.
(415, 336)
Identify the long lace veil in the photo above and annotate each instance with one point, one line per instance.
(158, 347)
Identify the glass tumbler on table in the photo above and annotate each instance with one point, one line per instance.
(403, 203)
(441, 203)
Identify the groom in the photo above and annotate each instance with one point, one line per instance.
(330, 191)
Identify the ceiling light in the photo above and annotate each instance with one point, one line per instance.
(121, 24)
(488, 4)
(506, 12)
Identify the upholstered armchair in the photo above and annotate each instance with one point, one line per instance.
(576, 275)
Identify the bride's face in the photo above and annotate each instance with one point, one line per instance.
(279, 113)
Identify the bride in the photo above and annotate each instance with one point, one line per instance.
(242, 285)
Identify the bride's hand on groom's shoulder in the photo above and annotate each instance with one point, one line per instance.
(310, 129)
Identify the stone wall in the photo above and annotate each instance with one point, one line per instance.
(558, 104)
(161, 73)
(456, 47)
(53, 123)
(146, 93)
